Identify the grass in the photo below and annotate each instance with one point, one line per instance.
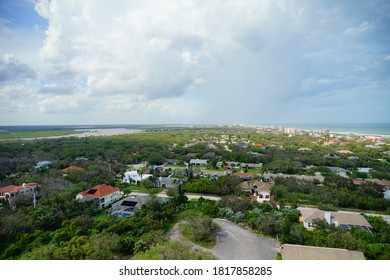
(101, 217)
(37, 134)
(186, 229)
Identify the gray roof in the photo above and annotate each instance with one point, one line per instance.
(300, 252)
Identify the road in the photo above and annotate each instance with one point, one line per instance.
(236, 243)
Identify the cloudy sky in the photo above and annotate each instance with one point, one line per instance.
(194, 61)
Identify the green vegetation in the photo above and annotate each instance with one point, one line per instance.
(38, 134)
(60, 227)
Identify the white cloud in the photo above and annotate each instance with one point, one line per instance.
(151, 48)
(358, 30)
(181, 61)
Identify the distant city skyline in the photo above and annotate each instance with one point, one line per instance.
(200, 62)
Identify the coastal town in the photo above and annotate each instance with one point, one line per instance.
(303, 194)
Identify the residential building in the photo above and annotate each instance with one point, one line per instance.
(261, 191)
(343, 220)
(199, 162)
(168, 182)
(129, 206)
(103, 195)
(300, 252)
(134, 177)
(72, 168)
(11, 191)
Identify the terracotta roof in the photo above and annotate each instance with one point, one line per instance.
(345, 152)
(300, 252)
(15, 189)
(381, 182)
(358, 181)
(72, 168)
(99, 191)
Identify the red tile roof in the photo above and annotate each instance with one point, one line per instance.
(99, 191)
(15, 189)
(72, 168)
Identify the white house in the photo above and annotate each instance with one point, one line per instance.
(199, 162)
(103, 195)
(133, 176)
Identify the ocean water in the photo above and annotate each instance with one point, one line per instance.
(366, 128)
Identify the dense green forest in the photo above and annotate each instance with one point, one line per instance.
(61, 227)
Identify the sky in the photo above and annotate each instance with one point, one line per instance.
(194, 62)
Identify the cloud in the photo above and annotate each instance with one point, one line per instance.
(358, 30)
(194, 61)
(11, 69)
(155, 49)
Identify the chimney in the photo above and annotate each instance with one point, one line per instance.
(328, 217)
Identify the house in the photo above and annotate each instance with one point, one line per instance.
(129, 206)
(167, 182)
(364, 169)
(134, 177)
(340, 171)
(343, 220)
(199, 162)
(261, 190)
(245, 176)
(229, 164)
(331, 156)
(11, 191)
(253, 165)
(42, 164)
(358, 181)
(72, 168)
(386, 195)
(345, 152)
(190, 155)
(384, 183)
(213, 174)
(210, 155)
(300, 252)
(103, 195)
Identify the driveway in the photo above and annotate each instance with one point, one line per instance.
(236, 243)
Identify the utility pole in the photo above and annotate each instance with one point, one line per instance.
(34, 201)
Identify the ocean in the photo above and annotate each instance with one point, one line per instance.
(382, 129)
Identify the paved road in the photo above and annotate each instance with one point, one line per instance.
(236, 243)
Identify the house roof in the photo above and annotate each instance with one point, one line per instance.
(99, 191)
(72, 168)
(245, 175)
(358, 181)
(342, 218)
(382, 182)
(11, 189)
(300, 252)
(345, 152)
(304, 149)
(261, 186)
